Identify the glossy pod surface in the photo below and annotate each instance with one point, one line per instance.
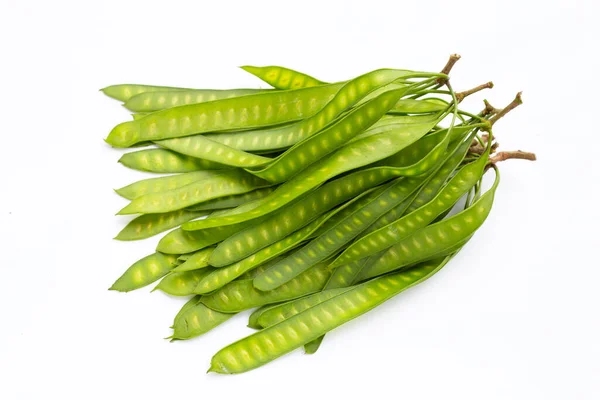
(148, 225)
(336, 237)
(182, 283)
(391, 234)
(145, 271)
(279, 339)
(353, 155)
(350, 94)
(224, 275)
(242, 295)
(222, 183)
(162, 184)
(166, 161)
(293, 217)
(250, 111)
(324, 142)
(276, 314)
(195, 261)
(282, 78)
(124, 92)
(196, 320)
(203, 147)
(232, 201)
(434, 239)
(159, 100)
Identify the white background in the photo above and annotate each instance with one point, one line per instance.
(515, 315)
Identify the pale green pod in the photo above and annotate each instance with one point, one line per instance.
(330, 242)
(264, 257)
(184, 257)
(182, 283)
(124, 92)
(145, 271)
(220, 277)
(270, 343)
(349, 95)
(159, 100)
(257, 270)
(138, 116)
(197, 320)
(420, 106)
(148, 225)
(163, 184)
(275, 228)
(204, 147)
(282, 78)
(188, 304)
(166, 161)
(220, 184)
(439, 178)
(233, 200)
(393, 233)
(252, 111)
(326, 141)
(434, 239)
(242, 295)
(275, 315)
(195, 261)
(253, 318)
(179, 241)
(351, 156)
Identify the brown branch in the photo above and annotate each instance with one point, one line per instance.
(507, 155)
(513, 104)
(460, 96)
(446, 70)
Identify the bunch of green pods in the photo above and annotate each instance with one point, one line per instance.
(310, 202)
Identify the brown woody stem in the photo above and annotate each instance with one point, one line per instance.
(513, 104)
(446, 70)
(507, 155)
(461, 95)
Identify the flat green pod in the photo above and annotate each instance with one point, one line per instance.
(291, 219)
(160, 100)
(148, 225)
(244, 112)
(435, 238)
(124, 92)
(219, 184)
(144, 272)
(282, 78)
(182, 283)
(188, 304)
(163, 184)
(262, 260)
(327, 140)
(350, 94)
(179, 241)
(439, 178)
(233, 200)
(268, 344)
(275, 315)
(389, 235)
(166, 161)
(253, 318)
(242, 295)
(201, 146)
(197, 320)
(196, 261)
(351, 156)
(419, 106)
(332, 241)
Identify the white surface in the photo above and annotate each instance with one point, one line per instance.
(515, 315)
